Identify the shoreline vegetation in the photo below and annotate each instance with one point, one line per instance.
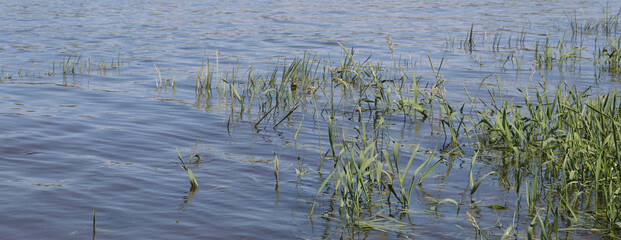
(555, 149)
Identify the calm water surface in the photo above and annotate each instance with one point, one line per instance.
(106, 141)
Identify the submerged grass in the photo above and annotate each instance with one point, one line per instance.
(565, 51)
(607, 23)
(68, 66)
(72, 65)
(193, 181)
(558, 151)
(566, 144)
(363, 177)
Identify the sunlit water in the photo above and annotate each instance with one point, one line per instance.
(106, 141)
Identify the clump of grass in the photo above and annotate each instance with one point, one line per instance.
(469, 43)
(611, 55)
(161, 83)
(405, 187)
(72, 65)
(204, 79)
(567, 143)
(550, 55)
(559, 147)
(362, 176)
(607, 23)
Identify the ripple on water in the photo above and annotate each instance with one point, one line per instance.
(107, 141)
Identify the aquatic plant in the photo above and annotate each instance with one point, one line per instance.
(567, 143)
(556, 150)
(191, 177)
(160, 82)
(607, 23)
(610, 55)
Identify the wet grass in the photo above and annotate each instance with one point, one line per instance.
(566, 50)
(607, 23)
(610, 55)
(193, 181)
(562, 156)
(354, 97)
(70, 65)
(191, 177)
(556, 149)
(553, 149)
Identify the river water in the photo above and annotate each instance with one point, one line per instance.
(105, 141)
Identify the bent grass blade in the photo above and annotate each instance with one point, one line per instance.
(193, 181)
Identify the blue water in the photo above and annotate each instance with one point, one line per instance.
(106, 140)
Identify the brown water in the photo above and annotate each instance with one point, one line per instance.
(106, 140)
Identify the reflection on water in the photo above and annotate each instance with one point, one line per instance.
(187, 199)
(94, 224)
(87, 123)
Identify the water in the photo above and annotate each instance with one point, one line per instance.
(106, 141)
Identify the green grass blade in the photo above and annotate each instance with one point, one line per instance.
(476, 185)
